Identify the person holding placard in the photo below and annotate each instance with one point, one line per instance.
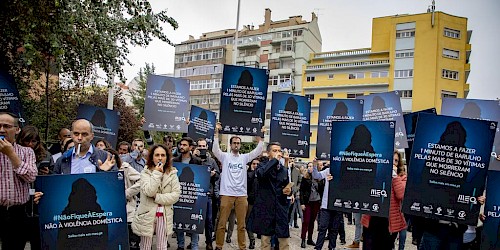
(378, 232)
(269, 216)
(233, 185)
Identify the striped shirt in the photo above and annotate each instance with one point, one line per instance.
(15, 183)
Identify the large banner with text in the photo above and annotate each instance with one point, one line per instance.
(166, 104)
(106, 122)
(190, 210)
(83, 211)
(334, 110)
(202, 124)
(243, 100)
(361, 166)
(386, 107)
(9, 96)
(290, 123)
(449, 162)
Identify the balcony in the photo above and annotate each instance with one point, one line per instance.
(347, 65)
(351, 52)
(253, 58)
(282, 54)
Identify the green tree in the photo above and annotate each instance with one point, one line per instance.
(139, 94)
(73, 38)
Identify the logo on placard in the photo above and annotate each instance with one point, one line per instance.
(338, 203)
(428, 209)
(439, 209)
(302, 143)
(378, 193)
(366, 205)
(375, 207)
(461, 214)
(256, 120)
(356, 205)
(415, 207)
(449, 212)
(120, 176)
(493, 125)
(347, 204)
(466, 199)
(196, 217)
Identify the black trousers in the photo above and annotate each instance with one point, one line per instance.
(12, 231)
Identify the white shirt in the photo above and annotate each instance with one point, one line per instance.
(233, 176)
(320, 176)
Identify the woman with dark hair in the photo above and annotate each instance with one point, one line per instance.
(310, 202)
(102, 144)
(30, 137)
(379, 232)
(160, 189)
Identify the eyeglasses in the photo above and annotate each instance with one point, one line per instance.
(34, 141)
(138, 145)
(7, 126)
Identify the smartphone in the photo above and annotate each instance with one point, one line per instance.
(2, 137)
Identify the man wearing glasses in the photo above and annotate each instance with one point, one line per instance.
(17, 171)
(233, 185)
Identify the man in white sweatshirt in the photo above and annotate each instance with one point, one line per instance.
(233, 185)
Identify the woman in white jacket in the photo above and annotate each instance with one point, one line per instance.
(160, 189)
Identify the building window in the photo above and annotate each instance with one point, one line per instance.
(449, 74)
(310, 78)
(406, 93)
(330, 95)
(331, 76)
(448, 94)
(452, 33)
(273, 80)
(379, 74)
(453, 54)
(311, 97)
(404, 54)
(406, 73)
(287, 45)
(357, 75)
(205, 84)
(354, 95)
(274, 64)
(405, 33)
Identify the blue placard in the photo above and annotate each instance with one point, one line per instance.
(361, 166)
(386, 107)
(106, 122)
(476, 109)
(190, 210)
(201, 124)
(490, 237)
(411, 126)
(166, 104)
(83, 211)
(290, 123)
(9, 97)
(334, 110)
(449, 162)
(243, 100)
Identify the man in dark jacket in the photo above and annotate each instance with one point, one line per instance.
(270, 212)
(84, 157)
(202, 152)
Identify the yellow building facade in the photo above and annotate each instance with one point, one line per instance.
(423, 56)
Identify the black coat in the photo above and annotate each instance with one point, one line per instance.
(269, 215)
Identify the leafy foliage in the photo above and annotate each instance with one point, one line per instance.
(73, 36)
(138, 94)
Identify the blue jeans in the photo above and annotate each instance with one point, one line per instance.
(194, 240)
(402, 239)
(209, 227)
(358, 227)
(328, 220)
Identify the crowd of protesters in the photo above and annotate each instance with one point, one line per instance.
(265, 191)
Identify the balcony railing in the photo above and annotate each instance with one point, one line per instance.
(363, 63)
(343, 53)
